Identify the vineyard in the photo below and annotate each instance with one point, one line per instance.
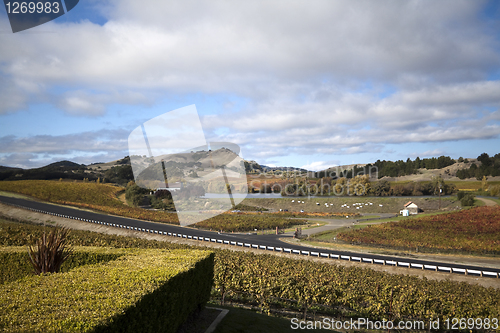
(249, 221)
(66, 192)
(103, 198)
(273, 283)
(246, 222)
(474, 230)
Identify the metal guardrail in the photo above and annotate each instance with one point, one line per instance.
(448, 269)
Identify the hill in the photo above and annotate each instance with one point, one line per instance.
(418, 170)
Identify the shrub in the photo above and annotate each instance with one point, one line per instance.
(494, 191)
(149, 291)
(14, 261)
(467, 200)
(51, 251)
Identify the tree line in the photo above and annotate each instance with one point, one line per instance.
(489, 166)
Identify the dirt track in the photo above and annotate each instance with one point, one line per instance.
(488, 202)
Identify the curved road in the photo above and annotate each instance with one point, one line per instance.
(263, 242)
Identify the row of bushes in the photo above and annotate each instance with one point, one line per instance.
(14, 260)
(145, 291)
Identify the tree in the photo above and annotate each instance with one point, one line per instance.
(467, 200)
(485, 160)
(382, 188)
(135, 194)
(484, 184)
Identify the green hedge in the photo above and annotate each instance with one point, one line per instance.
(149, 291)
(14, 260)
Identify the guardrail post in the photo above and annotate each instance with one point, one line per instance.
(481, 273)
(384, 262)
(466, 271)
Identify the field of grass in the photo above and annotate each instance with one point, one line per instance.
(475, 231)
(346, 204)
(472, 185)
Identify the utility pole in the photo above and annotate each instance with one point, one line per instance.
(440, 190)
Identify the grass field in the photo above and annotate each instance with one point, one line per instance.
(347, 204)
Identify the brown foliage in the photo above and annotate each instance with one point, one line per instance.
(50, 251)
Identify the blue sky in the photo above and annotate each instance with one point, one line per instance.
(303, 84)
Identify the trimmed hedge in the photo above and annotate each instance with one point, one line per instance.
(149, 291)
(15, 264)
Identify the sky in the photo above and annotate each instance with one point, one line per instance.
(309, 84)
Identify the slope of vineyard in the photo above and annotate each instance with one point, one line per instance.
(100, 197)
(272, 281)
(351, 291)
(474, 230)
(66, 192)
(246, 222)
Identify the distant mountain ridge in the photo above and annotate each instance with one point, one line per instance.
(120, 171)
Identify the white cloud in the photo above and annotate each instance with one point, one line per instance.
(256, 48)
(104, 140)
(313, 73)
(318, 166)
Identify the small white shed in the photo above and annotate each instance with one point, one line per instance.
(411, 207)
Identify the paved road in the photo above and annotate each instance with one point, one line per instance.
(265, 242)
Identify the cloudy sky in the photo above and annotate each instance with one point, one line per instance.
(294, 83)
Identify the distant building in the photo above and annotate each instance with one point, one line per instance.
(171, 187)
(411, 208)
